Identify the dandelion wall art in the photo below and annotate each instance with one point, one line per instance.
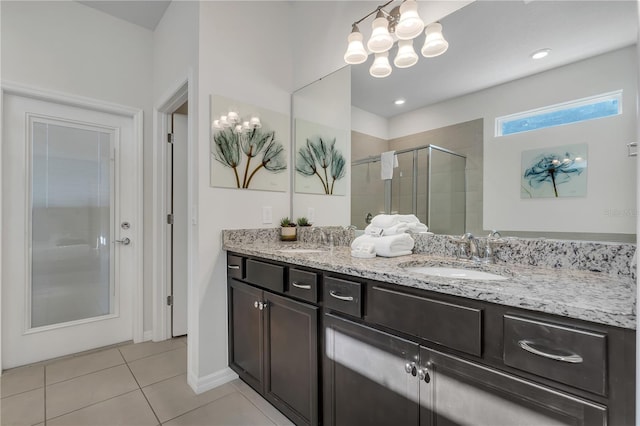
(320, 162)
(554, 172)
(249, 146)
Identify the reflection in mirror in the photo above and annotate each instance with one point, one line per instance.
(453, 102)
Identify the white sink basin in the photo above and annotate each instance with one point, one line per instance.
(301, 250)
(457, 273)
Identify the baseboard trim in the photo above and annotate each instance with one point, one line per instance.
(213, 380)
(147, 335)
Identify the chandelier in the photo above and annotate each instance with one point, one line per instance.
(405, 23)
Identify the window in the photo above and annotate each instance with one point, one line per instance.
(599, 106)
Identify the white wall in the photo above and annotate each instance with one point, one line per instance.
(368, 123)
(67, 47)
(611, 174)
(327, 102)
(237, 62)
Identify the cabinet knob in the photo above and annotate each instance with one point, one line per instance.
(262, 305)
(255, 304)
(423, 374)
(411, 368)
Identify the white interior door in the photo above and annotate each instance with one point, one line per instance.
(180, 226)
(68, 188)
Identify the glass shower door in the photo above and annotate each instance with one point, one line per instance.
(72, 184)
(367, 192)
(447, 192)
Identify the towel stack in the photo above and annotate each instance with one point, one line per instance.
(387, 236)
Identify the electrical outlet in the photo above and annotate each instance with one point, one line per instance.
(267, 215)
(311, 214)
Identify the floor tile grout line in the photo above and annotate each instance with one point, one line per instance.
(21, 392)
(85, 374)
(147, 356)
(203, 405)
(258, 408)
(92, 404)
(143, 394)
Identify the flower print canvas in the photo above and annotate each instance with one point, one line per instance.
(554, 172)
(321, 166)
(249, 146)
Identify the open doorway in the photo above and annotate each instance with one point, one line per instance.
(177, 219)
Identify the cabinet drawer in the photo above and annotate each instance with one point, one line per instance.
(303, 284)
(265, 275)
(235, 266)
(447, 324)
(343, 296)
(574, 357)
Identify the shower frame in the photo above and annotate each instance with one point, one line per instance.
(414, 198)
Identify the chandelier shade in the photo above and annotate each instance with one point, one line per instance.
(380, 40)
(356, 53)
(410, 25)
(434, 43)
(381, 67)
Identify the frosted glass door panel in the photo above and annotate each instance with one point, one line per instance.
(367, 192)
(71, 225)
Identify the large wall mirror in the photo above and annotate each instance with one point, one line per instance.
(457, 169)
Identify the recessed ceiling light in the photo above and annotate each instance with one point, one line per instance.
(399, 101)
(539, 54)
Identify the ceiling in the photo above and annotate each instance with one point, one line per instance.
(145, 13)
(490, 43)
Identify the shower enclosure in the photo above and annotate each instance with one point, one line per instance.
(429, 182)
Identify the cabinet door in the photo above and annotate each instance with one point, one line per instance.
(246, 333)
(457, 392)
(291, 358)
(365, 377)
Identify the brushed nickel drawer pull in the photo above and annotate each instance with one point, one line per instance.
(302, 286)
(569, 357)
(233, 267)
(339, 297)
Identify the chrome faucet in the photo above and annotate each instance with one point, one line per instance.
(469, 239)
(325, 238)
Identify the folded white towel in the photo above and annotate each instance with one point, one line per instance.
(397, 253)
(396, 229)
(373, 230)
(385, 220)
(388, 161)
(408, 218)
(386, 246)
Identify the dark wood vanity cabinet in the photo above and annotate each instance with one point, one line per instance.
(393, 355)
(273, 343)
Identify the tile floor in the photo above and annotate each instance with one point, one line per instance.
(127, 385)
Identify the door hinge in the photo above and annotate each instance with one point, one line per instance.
(170, 138)
(169, 300)
(170, 219)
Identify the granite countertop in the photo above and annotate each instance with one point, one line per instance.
(592, 296)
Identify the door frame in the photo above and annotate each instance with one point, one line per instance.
(136, 114)
(180, 93)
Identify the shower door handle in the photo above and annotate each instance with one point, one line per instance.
(124, 241)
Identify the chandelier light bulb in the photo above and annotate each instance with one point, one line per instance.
(381, 40)
(381, 67)
(406, 56)
(434, 43)
(410, 25)
(356, 53)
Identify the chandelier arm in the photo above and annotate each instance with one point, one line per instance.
(379, 8)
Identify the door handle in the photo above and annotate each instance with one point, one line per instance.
(125, 241)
